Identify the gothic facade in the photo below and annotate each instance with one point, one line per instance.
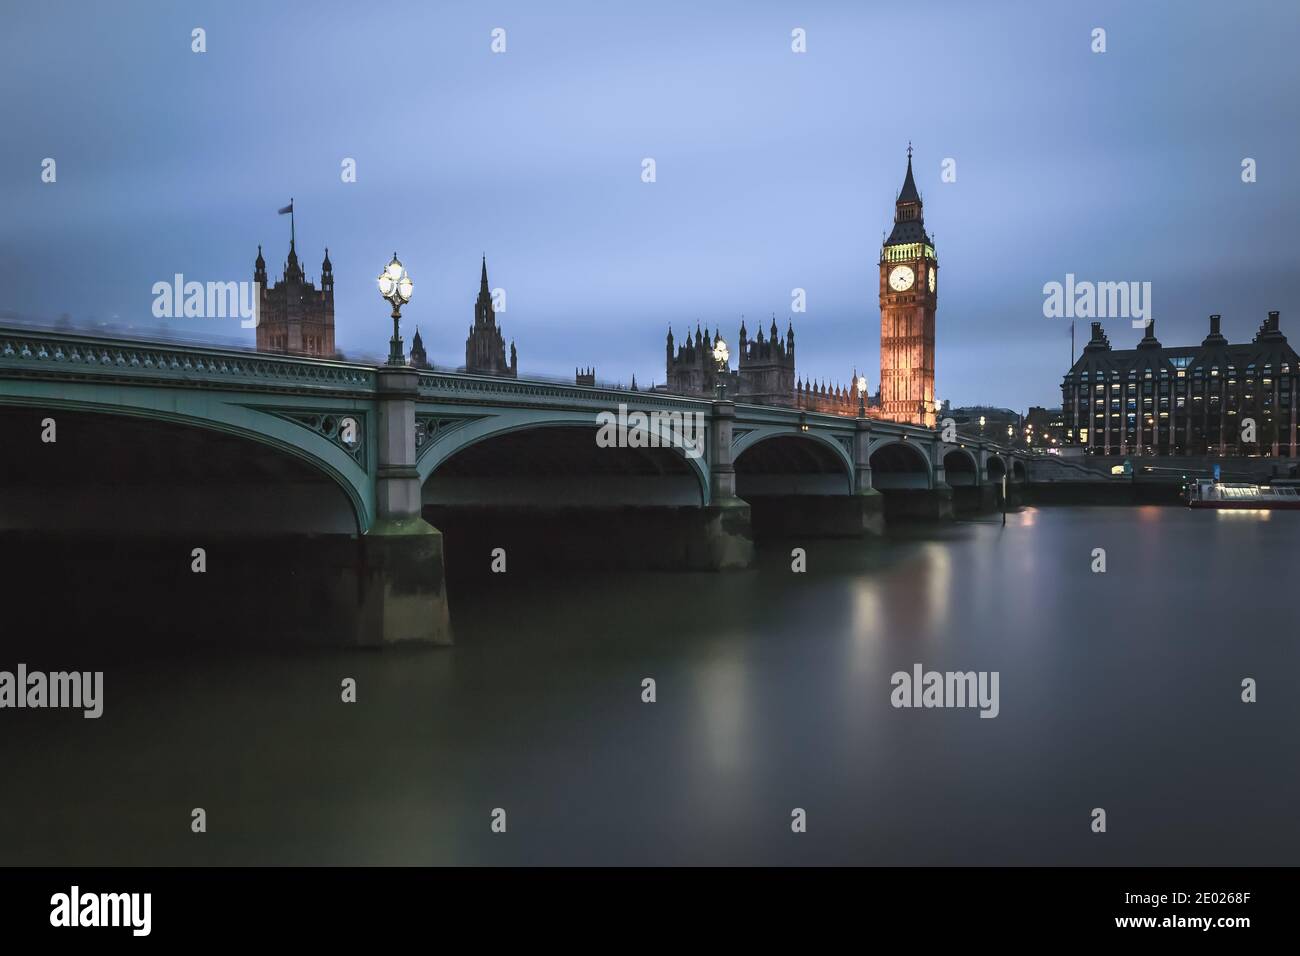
(294, 316)
(908, 300)
(764, 375)
(829, 399)
(692, 371)
(485, 349)
(766, 367)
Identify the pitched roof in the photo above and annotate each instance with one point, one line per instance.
(910, 230)
(909, 193)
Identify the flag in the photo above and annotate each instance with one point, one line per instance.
(287, 209)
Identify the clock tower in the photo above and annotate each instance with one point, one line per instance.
(909, 275)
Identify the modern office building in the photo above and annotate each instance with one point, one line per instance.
(1214, 398)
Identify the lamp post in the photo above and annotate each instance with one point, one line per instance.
(720, 359)
(862, 396)
(981, 426)
(396, 286)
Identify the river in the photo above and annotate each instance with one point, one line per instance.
(1118, 690)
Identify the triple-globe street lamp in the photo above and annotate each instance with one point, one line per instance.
(396, 286)
(720, 361)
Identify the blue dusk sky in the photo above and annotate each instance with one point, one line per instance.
(775, 170)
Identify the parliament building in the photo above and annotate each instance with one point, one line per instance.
(1207, 399)
(485, 347)
(295, 317)
(909, 273)
(764, 376)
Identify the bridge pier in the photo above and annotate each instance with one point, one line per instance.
(973, 498)
(403, 588)
(868, 514)
(817, 516)
(931, 504)
(728, 534)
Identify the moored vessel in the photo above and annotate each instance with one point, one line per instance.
(1208, 493)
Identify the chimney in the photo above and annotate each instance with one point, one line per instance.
(1214, 325)
(1096, 331)
(1274, 318)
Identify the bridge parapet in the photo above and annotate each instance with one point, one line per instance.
(63, 355)
(466, 387)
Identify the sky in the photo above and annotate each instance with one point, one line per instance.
(774, 170)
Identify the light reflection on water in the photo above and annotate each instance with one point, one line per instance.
(1118, 690)
(721, 697)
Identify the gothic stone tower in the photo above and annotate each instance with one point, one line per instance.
(419, 357)
(485, 349)
(908, 297)
(690, 370)
(295, 317)
(766, 367)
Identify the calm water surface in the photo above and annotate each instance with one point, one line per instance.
(1118, 690)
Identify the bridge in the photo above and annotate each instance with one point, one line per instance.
(397, 445)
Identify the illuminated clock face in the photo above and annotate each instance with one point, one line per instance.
(931, 280)
(901, 279)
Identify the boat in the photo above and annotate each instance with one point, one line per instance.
(1208, 493)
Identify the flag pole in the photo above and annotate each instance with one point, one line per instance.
(292, 237)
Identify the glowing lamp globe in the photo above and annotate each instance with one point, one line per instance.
(396, 287)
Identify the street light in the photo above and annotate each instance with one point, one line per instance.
(720, 358)
(396, 286)
(862, 396)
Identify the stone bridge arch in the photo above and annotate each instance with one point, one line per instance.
(533, 487)
(777, 460)
(444, 438)
(995, 468)
(960, 466)
(899, 464)
(303, 427)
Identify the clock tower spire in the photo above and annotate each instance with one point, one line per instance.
(908, 298)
